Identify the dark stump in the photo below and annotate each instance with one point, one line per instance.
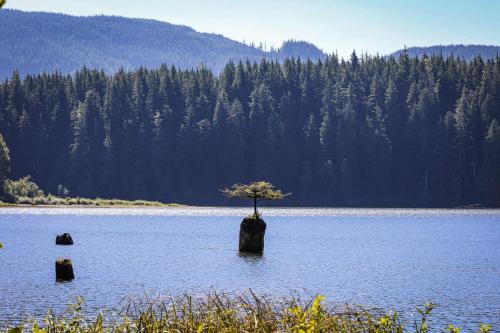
(64, 270)
(64, 239)
(252, 232)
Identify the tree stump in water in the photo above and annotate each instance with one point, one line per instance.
(64, 239)
(64, 270)
(252, 230)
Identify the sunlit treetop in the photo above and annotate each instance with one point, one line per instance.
(257, 191)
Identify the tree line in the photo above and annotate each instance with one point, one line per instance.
(467, 52)
(372, 131)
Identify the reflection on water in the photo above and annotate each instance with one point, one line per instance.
(250, 257)
(243, 211)
(390, 258)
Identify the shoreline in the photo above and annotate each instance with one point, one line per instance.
(175, 205)
(172, 205)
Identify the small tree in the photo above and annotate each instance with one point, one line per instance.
(4, 165)
(256, 191)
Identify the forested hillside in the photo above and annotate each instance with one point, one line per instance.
(466, 52)
(34, 42)
(368, 131)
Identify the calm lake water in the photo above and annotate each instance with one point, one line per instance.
(389, 258)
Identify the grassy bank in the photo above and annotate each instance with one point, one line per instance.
(50, 200)
(235, 313)
(26, 192)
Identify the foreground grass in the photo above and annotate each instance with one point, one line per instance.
(51, 200)
(234, 313)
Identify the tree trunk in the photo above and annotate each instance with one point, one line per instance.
(64, 270)
(252, 231)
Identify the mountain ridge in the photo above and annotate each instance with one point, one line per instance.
(465, 51)
(44, 42)
(40, 42)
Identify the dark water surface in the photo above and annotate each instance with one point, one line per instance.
(390, 258)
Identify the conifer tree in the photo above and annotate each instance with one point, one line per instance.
(4, 165)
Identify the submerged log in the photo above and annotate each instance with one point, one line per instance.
(64, 269)
(252, 231)
(64, 239)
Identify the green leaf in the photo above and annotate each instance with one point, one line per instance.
(17, 329)
(483, 328)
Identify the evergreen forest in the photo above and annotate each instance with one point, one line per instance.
(367, 131)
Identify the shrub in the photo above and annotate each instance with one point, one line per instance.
(21, 188)
(62, 191)
(234, 313)
(24, 191)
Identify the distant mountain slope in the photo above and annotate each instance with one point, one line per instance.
(295, 49)
(33, 42)
(466, 52)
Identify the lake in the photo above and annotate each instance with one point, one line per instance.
(389, 258)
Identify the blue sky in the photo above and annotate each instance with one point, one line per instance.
(335, 26)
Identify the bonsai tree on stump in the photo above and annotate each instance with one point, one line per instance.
(256, 191)
(253, 228)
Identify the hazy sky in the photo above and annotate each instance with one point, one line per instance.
(373, 26)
